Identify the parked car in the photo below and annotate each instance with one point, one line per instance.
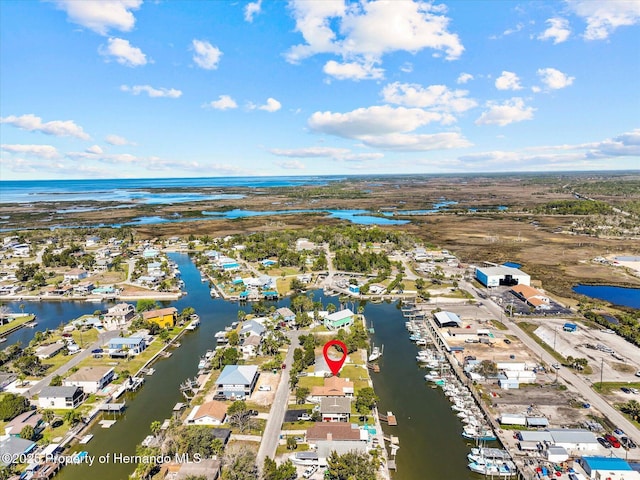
(310, 471)
(305, 417)
(603, 442)
(507, 341)
(638, 373)
(635, 391)
(618, 433)
(608, 330)
(612, 440)
(556, 366)
(264, 388)
(625, 390)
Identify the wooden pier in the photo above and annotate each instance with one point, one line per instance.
(112, 407)
(390, 418)
(374, 367)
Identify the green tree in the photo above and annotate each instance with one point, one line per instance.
(12, 405)
(146, 304)
(27, 432)
(301, 394)
(239, 415)
(351, 466)
(72, 417)
(56, 381)
(234, 338)
(230, 356)
(239, 464)
(47, 416)
(291, 443)
(365, 400)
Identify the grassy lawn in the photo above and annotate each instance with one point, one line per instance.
(358, 375)
(299, 425)
(459, 293)
(282, 449)
(15, 322)
(499, 325)
(311, 382)
(606, 388)
(283, 285)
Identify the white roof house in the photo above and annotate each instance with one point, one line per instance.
(90, 379)
(237, 381)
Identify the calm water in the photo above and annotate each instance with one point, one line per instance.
(134, 189)
(430, 443)
(629, 297)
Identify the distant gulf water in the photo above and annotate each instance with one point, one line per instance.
(629, 297)
(137, 189)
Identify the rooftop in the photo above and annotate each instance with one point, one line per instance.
(213, 409)
(161, 312)
(338, 431)
(335, 405)
(58, 392)
(237, 375)
(89, 374)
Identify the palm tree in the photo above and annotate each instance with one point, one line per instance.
(47, 416)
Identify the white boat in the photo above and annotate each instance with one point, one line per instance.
(494, 469)
(31, 324)
(214, 293)
(195, 322)
(86, 439)
(150, 371)
(421, 342)
(375, 354)
(3, 339)
(481, 454)
(203, 363)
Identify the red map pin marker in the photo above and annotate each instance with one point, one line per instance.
(334, 365)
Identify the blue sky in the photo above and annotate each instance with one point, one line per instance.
(126, 88)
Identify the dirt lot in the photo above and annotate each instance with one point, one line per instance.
(265, 398)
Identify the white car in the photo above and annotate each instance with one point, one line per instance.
(310, 471)
(556, 366)
(305, 416)
(264, 388)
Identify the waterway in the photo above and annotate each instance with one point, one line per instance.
(628, 297)
(430, 442)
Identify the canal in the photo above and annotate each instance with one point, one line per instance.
(430, 442)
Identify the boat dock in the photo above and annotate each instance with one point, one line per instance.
(112, 407)
(374, 367)
(390, 418)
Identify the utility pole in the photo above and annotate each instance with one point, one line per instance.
(601, 370)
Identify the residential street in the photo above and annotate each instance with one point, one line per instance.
(73, 361)
(276, 415)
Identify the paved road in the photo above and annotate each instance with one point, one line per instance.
(575, 381)
(271, 434)
(73, 361)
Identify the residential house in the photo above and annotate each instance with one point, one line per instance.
(150, 253)
(75, 274)
(118, 316)
(48, 351)
(83, 288)
(21, 250)
(285, 314)
(164, 317)
(339, 437)
(60, 397)
(237, 381)
(209, 413)
(206, 468)
(333, 387)
(154, 269)
(12, 448)
(92, 241)
(337, 320)
(250, 345)
(90, 379)
(251, 327)
(31, 418)
(122, 347)
(335, 409)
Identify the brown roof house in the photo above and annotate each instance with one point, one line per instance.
(333, 387)
(341, 437)
(209, 413)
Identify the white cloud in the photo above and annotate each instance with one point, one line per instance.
(416, 142)
(252, 9)
(151, 91)
(435, 97)
(513, 110)
(464, 78)
(40, 151)
(272, 105)
(95, 149)
(337, 154)
(627, 144)
(558, 30)
(352, 70)
(377, 120)
(205, 55)
(117, 140)
(291, 165)
(407, 67)
(59, 128)
(554, 79)
(603, 18)
(224, 102)
(123, 52)
(101, 15)
(508, 81)
(363, 33)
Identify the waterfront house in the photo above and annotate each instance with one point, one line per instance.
(122, 347)
(237, 381)
(150, 253)
(118, 316)
(164, 317)
(21, 250)
(285, 314)
(250, 345)
(333, 387)
(48, 351)
(12, 448)
(75, 274)
(90, 379)
(31, 418)
(209, 413)
(251, 327)
(60, 397)
(207, 468)
(84, 288)
(337, 320)
(338, 437)
(335, 409)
